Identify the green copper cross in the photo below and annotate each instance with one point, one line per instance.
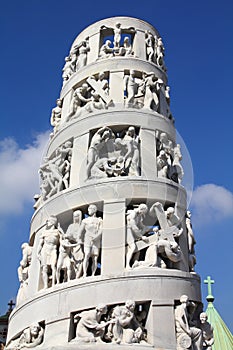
(209, 281)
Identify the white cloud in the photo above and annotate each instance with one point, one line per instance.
(211, 203)
(19, 179)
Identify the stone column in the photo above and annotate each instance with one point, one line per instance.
(66, 106)
(113, 240)
(94, 48)
(35, 278)
(148, 154)
(161, 313)
(183, 242)
(78, 173)
(116, 85)
(139, 46)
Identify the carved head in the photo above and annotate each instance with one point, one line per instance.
(108, 42)
(131, 131)
(170, 211)
(101, 75)
(203, 317)
(24, 245)
(34, 329)
(92, 209)
(59, 102)
(130, 304)
(102, 308)
(143, 209)
(163, 136)
(77, 215)
(184, 299)
(51, 221)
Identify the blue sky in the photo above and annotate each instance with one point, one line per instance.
(36, 36)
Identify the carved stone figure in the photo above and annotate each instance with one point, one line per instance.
(90, 233)
(162, 164)
(99, 95)
(187, 335)
(56, 116)
(55, 172)
(99, 139)
(132, 157)
(170, 231)
(167, 218)
(135, 230)
(177, 167)
(166, 145)
(47, 250)
(106, 51)
(125, 328)
(83, 50)
(73, 57)
(131, 88)
(161, 252)
(168, 110)
(207, 332)
(68, 69)
(31, 337)
(104, 167)
(150, 42)
(23, 270)
(90, 327)
(127, 47)
(152, 87)
(168, 159)
(51, 176)
(117, 35)
(72, 235)
(191, 242)
(79, 99)
(160, 55)
(65, 260)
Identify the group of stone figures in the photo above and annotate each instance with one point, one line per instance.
(122, 45)
(190, 333)
(55, 171)
(160, 243)
(118, 154)
(168, 158)
(112, 155)
(155, 50)
(141, 90)
(73, 254)
(125, 324)
(64, 255)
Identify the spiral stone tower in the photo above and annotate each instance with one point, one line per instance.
(111, 247)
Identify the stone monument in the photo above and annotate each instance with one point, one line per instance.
(110, 258)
